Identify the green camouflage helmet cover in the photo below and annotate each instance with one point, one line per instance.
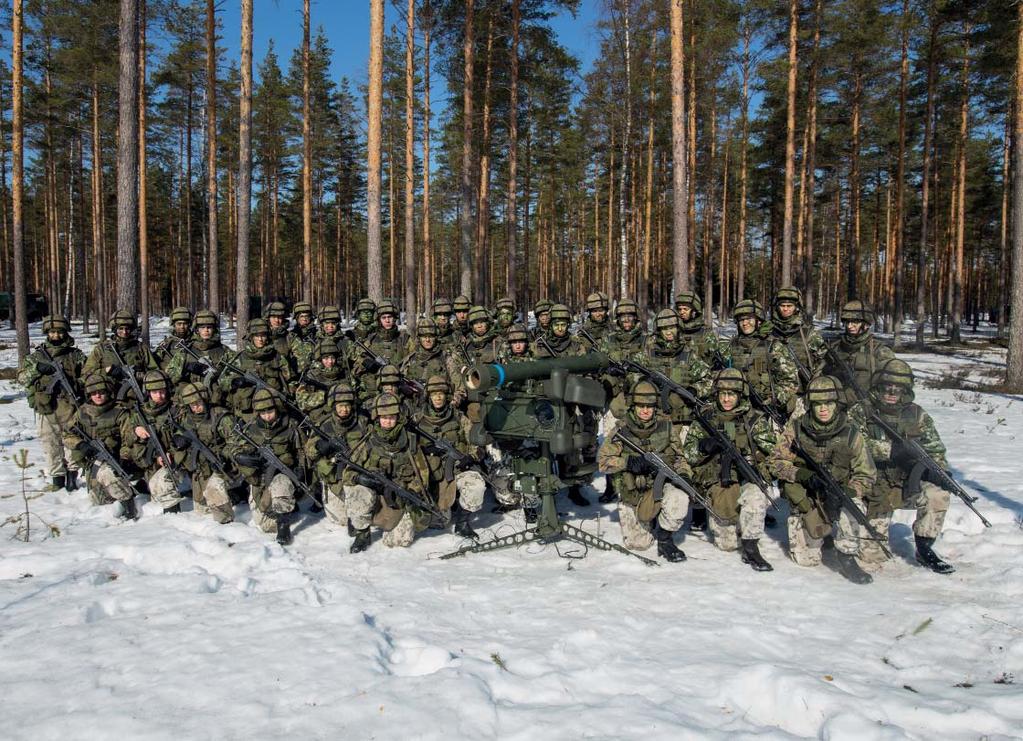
(731, 379)
(95, 383)
(596, 301)
(181, 314)
(644, 393)
(342, 393)
(688, 298)
(192, 393)
(436, 383)
(155, 380)
(442, 307)
(561, 313)
(276, 308)
(257, 326)
(385, 405)
(426, 327)
(748, 307)
(665, 319)
(56, 323)
(478, 314)
(263, 401)
(825, 389)
(329, 314)
(461, 303)
(857, 311)
(206, 318)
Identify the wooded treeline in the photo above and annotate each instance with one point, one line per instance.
(861, 147)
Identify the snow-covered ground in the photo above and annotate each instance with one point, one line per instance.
(175, 627)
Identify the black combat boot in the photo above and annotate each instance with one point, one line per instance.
(531, 514)
(609, 495)
(71, 480)
(284, 529)
(751, 555)
(173, 509)
(461, 520)
(128, 509)
(925, 556)
(59, 482)
(698, 522)
(846, 565)
(770, 521)
(361, 542)
(351, 529)
(575, 496)
(666, 547)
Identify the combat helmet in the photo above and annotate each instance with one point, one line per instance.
(748, 307)
(857, 311)
(644, 393)
(263, 401)
(825, 389)
(731, 379)
(56, 323)
(596, 301)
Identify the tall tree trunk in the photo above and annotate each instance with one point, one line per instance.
(898, 260)
(740, 273)
(483, 272)
(18, 181)
(511, 239)
(1014, 367)
(211, 156)
(244, 198)
(960, 215)
(98, 237)
(376, 81)
(623, 256)
(144, 307)
(643, 294)
(468, 50)
(921, 275)
(410, 233)
(790, 145)
(679, 151)
(307, 165)
(128, 158)
(1003, 273)
(854, 188)
(427, 24)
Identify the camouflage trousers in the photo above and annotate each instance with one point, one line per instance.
(362, 502)
(162, 489)
(931, 506)
(335, 503)
(806, 551)
(105, 486)
(637, 534)
(471, 489)
(752, 505)
(266, 502)
(211, 497)
(53, 445)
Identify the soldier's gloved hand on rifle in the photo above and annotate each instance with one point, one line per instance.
(709, 446)
(85, 449)
(238, 382)
(809, 479)
(326, 447)
(368, 481)
(433, 449)
(115, 372)
(45, 368)
(901, 455)
(637, 464)
(248, 460)
(179, 441)
(195, 368)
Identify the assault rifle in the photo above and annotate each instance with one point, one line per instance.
(274, 463)
(212, 372)
(182, 481)
(835, 497)
(60, 378)
(922, 461)
(453, 457)
(665, 473)
(380, 483)
(197, 448)
(98, 452)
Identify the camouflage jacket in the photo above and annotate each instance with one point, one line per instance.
(805, 345)
(598, 330)
(749, 429)
(485, 349)
(864, 354)
(301, 344)
(266, 364)
(680, 365)
(102, 423)
(391, 345)
(213, 351)
(45, 395)
(281, 436)
(135, 354)
(361, 331)
(349, 431)
(281, 339)
(839, 447)
(168, 348)
(703, 342)
(213, 427)
(657, 436)
(138, 450)
(768, 368)
(313, 388)
(563, 347)
(422, 364)
(396, 454)
(451, 426)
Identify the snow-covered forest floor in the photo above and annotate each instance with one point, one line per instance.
(176, 627)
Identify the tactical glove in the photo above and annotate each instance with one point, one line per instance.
(637, 464)
(248, 460)
(45, 368)
(179, 441)
(115, 372)
(709, 446)
(325, 447)
(84, 449)
(237, 382)
(195, 368)
(901, 455)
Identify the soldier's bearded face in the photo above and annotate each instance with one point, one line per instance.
(427, 342)
(438, 399)
(343, 409)
(304, 319)
(854, 328)
(180, 328)
(824, 412)
(747, 324)
(328, 361)
(560, 328)
(387, 321)
(644, 412)
(786, 309)
(159, 396)
(685, 312)
(479, 328)
(259, 340)
(518, 347)
(205, 331)
(388, 421)
(728, 400)
(628, 321)
(598, 315)
(197, 407)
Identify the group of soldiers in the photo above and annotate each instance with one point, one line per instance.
(374, 425)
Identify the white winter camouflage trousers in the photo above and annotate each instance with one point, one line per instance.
(637, 535)
(212, 499)
(752, 510)
(931, 506)
(278, 497)
(806, 551)
(362, 501)
(53, 445)
(106, 487)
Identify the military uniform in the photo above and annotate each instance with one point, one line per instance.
(303, 339)
(396, 454)
(897, 485)
(838, 447)
(624, 342)
(345, 432)
(100, 422)
(458, 492)
(542, 314)
(699, 340)
(390, 344)
(205, 342)
(125, 341)
(425, 361)
(481, 346)
(665, 352)
(441, 313)
(800, 339)
(504, 316)
(48, 399)
(646, 515)
(142, 452)
(863, 353)
(324, 372)
(271, 494)
(181, 331)
(461, 307)
(365, 320)
(213, 426)
(740, 503)
(278, 331)
(558, 343)
(598, 328)
(265, 362)
(764, 361)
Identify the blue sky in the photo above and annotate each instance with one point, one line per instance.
(347, 26)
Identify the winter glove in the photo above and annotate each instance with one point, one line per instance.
(179, 441)
(637, 464)
(84, 449)
(901, 455)
(248, 460)
(933, 477)
(325, 447)
(194, 368)
(709, 446)
(237, 382)
(45, 368)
